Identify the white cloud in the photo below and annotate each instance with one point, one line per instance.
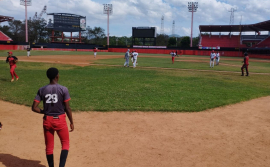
(134, 13)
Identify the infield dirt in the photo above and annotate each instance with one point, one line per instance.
(230, 136)
(236, 135)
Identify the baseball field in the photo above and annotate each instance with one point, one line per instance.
(157, 114)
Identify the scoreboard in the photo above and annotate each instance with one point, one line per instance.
(144, 32)
(66, 22)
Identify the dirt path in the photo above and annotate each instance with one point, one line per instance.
(236, 135)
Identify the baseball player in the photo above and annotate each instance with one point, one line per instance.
(217, 58)
(95, 52)
(245, 65)
(212, 58)
(1, 125)
(173, 56)
(127, 59)
(12, 60)
(131, 56)
(55, 99)
(135, 56)
(28, 51)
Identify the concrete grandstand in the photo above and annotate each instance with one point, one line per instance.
(4, 37)
(207, 39)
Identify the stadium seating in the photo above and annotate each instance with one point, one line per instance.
(264, 43)
(4, 37)
(221, 41)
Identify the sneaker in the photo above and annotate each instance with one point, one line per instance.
(242, 75)
(17, 79)
(12, 80)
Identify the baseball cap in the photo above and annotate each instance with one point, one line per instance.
(10, 52)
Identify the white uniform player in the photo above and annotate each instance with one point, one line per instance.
(127, 59)
(212, 58)
(131, 56)
(217, 58)
(135, 56)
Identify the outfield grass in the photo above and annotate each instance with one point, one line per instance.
(231, 65)
(104, 88)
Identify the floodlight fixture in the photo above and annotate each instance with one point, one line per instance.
(26, 3)
(108, 9)
(192, 7)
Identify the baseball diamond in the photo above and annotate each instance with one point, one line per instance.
(102, 84)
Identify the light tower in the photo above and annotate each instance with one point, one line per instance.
(232, 16)
(192, 7)
(173, 28)
(162, 25)
(108, 9)
(26, 3)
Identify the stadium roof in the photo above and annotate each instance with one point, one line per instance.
(262, 26)
(5, 18)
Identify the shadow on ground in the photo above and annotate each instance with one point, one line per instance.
(13, 161)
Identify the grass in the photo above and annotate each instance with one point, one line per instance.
(105, 88)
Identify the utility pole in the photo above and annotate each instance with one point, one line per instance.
(162, 25)
(173, 28)
(232, 16)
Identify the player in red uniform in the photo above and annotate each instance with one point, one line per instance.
(12, 60)
(245, 65)
(55, 99)
(173, 54)
(95, 52)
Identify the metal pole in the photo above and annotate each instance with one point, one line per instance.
(108, 43)
(26, 27)
(191, 25)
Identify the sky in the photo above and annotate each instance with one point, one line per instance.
(147, 13)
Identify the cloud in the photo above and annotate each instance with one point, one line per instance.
(135, 13)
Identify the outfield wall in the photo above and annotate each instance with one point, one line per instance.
(12, 47)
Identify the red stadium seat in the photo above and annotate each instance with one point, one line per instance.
(221, 41)
(4, 37)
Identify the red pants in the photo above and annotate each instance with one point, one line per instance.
(50, 125)
(172, 59)
(242, 69)
(12, 71)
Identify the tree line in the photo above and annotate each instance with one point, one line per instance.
(38, 33)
